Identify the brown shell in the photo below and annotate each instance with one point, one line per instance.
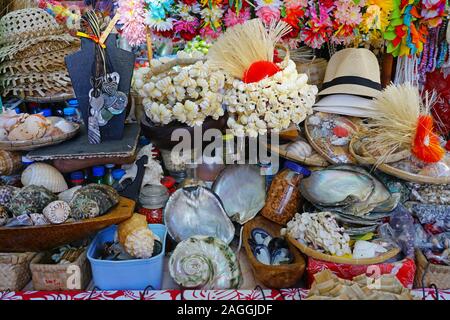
(10, 162)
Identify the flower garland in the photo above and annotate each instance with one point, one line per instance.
(133, 17)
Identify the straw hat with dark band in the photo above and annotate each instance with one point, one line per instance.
(352, 71)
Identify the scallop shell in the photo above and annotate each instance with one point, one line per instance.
(67, 195)
(3, 216)
(57, 212)
(205, 262)
(10, 162)
(30, 199)
(42, 174)
(300, 149)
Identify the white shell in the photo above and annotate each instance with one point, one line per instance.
(65, 126)
(365, 249)
(57, 211)
(300, 149)
(3, 134)
(42, 174)
(67, 195)
(140, 243)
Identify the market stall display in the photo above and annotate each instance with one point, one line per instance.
(216, 147)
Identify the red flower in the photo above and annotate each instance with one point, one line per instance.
(293, 16)
(189, 2)
(165, 34)
(187, 35)
(426, 144)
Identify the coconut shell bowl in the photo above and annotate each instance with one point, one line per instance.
(45, 237)
(273, 276)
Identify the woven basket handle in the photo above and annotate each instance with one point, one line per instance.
(287, 56)
(172, 63)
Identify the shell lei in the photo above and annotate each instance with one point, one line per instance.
(205, 262)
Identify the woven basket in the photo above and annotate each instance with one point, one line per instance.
(314, 69)
(38, 143)
(329, 258)
(278, 277)
(314, 160)
(14, 270)
(429, 273)
(55, 277)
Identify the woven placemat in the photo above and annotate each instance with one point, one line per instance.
(79, 148)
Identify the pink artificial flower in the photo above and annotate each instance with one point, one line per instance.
(132, 16)
(232, 18)
(293, 4)
(268, 14)
(186, 26)
(209, 33)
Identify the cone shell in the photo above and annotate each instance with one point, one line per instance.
(42, 174)
(10, 162)
(137, 221)
(136, 238)
(57, 212)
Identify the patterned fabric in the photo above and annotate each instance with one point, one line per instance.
(284, 294)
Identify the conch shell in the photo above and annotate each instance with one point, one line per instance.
(42, 174)
(136, 238)
(10, 162)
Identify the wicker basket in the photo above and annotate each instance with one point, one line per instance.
(335, 259)
(277, 277)
(429, 273)
(54, 277)
(14, 270)
(314, 69)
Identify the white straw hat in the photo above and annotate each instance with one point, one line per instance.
(352, 71)
(346, 104)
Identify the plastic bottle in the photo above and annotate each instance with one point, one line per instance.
(77, 178)
(70, 114)
(73, 103)
(47, 112)
(26, 162)
(98, 174)
(284, 198)
(109, 180)
(117, 174)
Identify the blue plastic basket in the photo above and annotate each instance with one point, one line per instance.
(130, 274)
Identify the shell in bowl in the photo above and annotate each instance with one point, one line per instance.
(42, 174)
(30, 199)
(300, 149)
(57, 212)
(93, 200)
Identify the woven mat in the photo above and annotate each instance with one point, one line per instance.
(79, 148)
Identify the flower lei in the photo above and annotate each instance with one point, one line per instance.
(133, 17)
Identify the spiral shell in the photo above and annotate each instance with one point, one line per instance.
(10, 162)
(93, 200)
(57, 212)
(300, 149)
(136, 238)
(42, 174)
(67, 195)
(30, 199)
(205, 262)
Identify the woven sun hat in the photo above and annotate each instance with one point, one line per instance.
(346, 104)
(352, 71)
(29, 32)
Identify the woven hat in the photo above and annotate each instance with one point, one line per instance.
(32, 50)
(23, 31)
(346, 104)
(352, 71)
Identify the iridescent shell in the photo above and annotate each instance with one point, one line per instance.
(301, 149)
(93, 200)
(3, 216)
(30, 199)
(57, 212)
(205, 262)
(6, 193)
(42, 174)
(68, 194)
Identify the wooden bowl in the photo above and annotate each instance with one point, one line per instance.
(277, 277)
(160, 136)
(329, 258)
(28, 145)
(40, 238)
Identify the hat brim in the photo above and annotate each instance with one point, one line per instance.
(352, 89)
